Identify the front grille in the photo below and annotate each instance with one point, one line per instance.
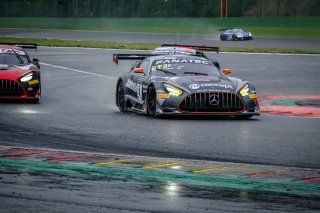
(212, 103)
(10, 88)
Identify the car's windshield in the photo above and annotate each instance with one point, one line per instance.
(13, 59)
(183, 67)
(235, 31)
(174, 50)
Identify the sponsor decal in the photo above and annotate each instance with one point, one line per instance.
(131, 85)
(212, 90)
(217, 85)
(140, 91)
(194, 86)
(33, 82)
(197, 86)
(177, 60)
(136, 87)
(177, 52)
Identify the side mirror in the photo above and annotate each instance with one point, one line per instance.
(227, 71)
(35, 61)
(138, 70)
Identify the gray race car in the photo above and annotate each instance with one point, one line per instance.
(235, 34)
(183, 85)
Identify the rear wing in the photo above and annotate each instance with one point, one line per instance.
(200, 48)
(136, 57)
(23, 45)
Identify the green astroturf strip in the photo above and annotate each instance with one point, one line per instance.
(283, 102)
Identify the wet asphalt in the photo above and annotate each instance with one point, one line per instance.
(77, 112)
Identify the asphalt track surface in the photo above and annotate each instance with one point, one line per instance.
(159, 38)
(77, 112)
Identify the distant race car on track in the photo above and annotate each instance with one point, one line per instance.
(175, 49)
(182, 84)
(235, 35)
(19, 76)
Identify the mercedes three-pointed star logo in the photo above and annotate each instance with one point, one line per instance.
(214, 100)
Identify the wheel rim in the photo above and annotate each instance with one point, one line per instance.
(152, 102)
(120, 97)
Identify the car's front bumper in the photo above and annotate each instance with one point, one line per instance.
(171, 106)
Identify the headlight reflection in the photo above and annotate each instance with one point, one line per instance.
(172, 189)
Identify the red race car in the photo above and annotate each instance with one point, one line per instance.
(19, 76)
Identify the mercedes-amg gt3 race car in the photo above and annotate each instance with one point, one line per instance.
(235, 35)
(183, 85)
(175, 49)
(19, 76)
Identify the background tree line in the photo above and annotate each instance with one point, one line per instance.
(156, 8)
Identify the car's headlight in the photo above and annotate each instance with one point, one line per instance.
(174, 91)
(27, 77)
(248, 90)
(245, 90)
(250, 34)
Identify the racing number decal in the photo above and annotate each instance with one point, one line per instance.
(139, 91)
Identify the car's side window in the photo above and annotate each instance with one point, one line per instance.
(145, 65)
(136, 64)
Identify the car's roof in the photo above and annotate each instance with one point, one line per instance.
(234, 29)
(10, 47)
(175, 50)
(162, 57)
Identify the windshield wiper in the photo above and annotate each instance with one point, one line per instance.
(195, 73)
(166, 71)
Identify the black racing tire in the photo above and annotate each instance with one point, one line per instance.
(242, 117)
(120, 97)
(152, 102)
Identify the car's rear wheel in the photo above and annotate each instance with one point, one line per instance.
(120, 97)
(152, 102)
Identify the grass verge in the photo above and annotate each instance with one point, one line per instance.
(138, 46)
(308, 27)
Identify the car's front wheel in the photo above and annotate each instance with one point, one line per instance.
(120, 97)
(152, 102)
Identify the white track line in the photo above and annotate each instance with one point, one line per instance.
(78, 71)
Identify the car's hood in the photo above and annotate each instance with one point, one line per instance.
(15, 72)
(194, 84)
